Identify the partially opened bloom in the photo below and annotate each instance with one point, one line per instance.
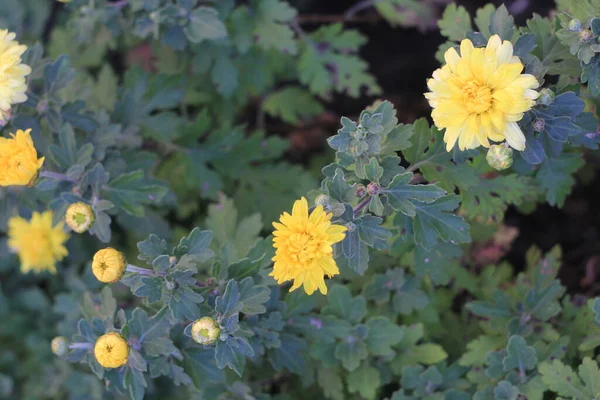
(80, 217)
(39, 243)
(205, 330)
(19, 164)
(111, 350)
(303, 246)
(480, 95)
(12, 73)
(108, 265)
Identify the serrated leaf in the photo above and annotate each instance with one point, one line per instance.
(401, 194)
(229, 303)
(341, 304)
(455, 23)
(253, 297)
(232, 353)
(292, 104)
(519, 356)
(383, 334)
(436, 221)
(364, 380)
(204, 24)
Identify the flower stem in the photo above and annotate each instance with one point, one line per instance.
(142, 271)
(57, 176)
(87, 346)
(365, 202)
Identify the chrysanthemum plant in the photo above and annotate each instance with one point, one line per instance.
(369, 286)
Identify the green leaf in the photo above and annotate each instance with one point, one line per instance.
(383, 334)
(519, 355)
(290, 354)
(329, 63)
(373, 171)
(505, 391)
(562, 380)
(196, 244)
(272, 26)
(201, 366)
(136, 360)
(330, 381)
(232, 353)
(225, 75)
(341, 304)
(132, 190)
(292, 104)
(229, 303)
(364, 380)
(478, 349)
(455, 23)
(151, 248)
(253, 297)
(339, 189)
(555, 176)
(371, 232)
(428, 354)
(435, 222)
(150, 288)
(149, 328)
(351, 352)
(502, 23)
(401, 194)
(204, 24)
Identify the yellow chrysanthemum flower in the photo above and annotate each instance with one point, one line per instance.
(39, 244)
(12, 73)
(303, 247)
(479, 95)
(111, 350)
(80, 217)
(108, 265)
(19, 164)
(205, 330)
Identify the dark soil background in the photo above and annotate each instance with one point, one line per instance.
(402, 59)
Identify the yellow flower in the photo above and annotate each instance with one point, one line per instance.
(108, 265)
(480, 95)
(12, 73)
(111, 350)
(205, 330)
(59, 346)
(19, 164)
(80, 217)
(303, 247)
(38, 243)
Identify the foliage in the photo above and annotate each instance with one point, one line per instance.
(186, 185)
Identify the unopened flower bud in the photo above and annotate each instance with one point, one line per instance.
(171, 285)
(546, 98)
(499, 157)
(111, 350)
(108, 265)
(337, 208)
(205, 331)
(574, 25)
(322, 200)
(585, 36)
(80, 217)
(539, 124)
(59, 346)
(361, 190)
(373, 188)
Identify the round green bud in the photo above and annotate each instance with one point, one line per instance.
(546, 97)
(539, 124)
(80, 217)
(499, 157)
(59, 346)
(205, 331)
(322, 200)
(585, 36)
(337, 208)
(574, 25)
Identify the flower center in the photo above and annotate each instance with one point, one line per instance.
(103, 266)
(303, 247)
(477, 98)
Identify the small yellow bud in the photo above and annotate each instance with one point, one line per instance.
(108, 265)
(111, 350)
(59, 346)
(499, 157)
(205, 330)
(80, 217)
